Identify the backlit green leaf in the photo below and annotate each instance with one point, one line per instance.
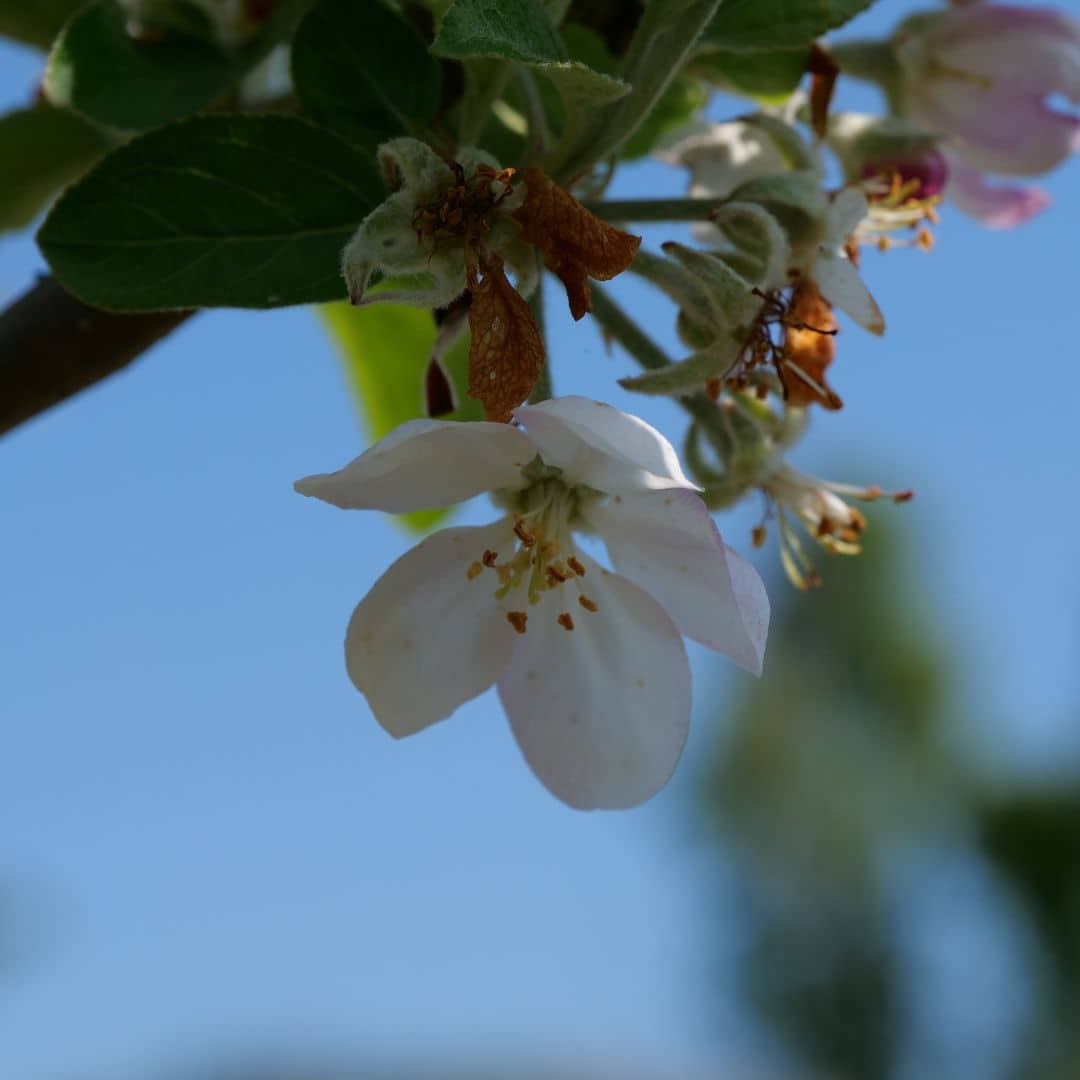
(385, 350)
(42, 149)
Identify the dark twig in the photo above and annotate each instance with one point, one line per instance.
(52, 346)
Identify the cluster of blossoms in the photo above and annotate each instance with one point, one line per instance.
(589, 661)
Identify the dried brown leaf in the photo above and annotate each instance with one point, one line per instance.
(506, 354)
(575, 243)
(809, 348)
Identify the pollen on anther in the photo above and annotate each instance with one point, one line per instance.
(489, 557)
(565, 621)
(575, 564)
(526, 538)
(475, 570)
(517, 619)
(587, 604)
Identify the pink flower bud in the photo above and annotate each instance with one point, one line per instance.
(981, 75)
(927, 168)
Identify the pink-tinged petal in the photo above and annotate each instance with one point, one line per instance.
(598, 445)
(601, 711)
(426, 464)
(1030, 49)
(997, 206)
(668, 543)
(995, 129)
(839, 281)
(429, 637)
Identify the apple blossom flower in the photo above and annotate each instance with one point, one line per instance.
(590, 664)
(981, 76)
(923, 172)
(820, 507)
(831, 266)
(724, 156)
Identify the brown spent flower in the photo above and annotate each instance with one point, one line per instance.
(809, 348)
(575, 243)
(506, 354)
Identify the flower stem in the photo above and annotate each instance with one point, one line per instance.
(542, 389)
(648, 354)
(484, 82)
(653, 209)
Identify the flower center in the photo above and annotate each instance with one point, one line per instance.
(544, 559)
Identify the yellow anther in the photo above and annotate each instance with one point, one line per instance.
(575, 564)
(587, 604)
(474, 571)
(565, 621)
(757, 536)
(517, 619)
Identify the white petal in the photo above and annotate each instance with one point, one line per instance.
(843, 215)
(598, 445)
(427, 638)
(425, 464)
(600, 712)
(839, 281)
(667, 543)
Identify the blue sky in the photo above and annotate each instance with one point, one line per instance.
(210, 843)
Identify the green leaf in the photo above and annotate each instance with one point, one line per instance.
(768, 76)
(589, 48)
(99, 70)
(35, 22)
(579, 85)
(42, 149)
(221, 211)
(517, 30)
(385, 350)
(364, 70)
(763, 25)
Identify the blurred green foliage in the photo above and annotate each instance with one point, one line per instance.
(844, 763)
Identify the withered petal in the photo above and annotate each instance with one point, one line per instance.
(506, 354)
(576, 244)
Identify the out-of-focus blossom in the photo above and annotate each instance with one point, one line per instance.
(922, 173)
(820, 506)
(589, 664)
(724, 156)
(982, 76)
